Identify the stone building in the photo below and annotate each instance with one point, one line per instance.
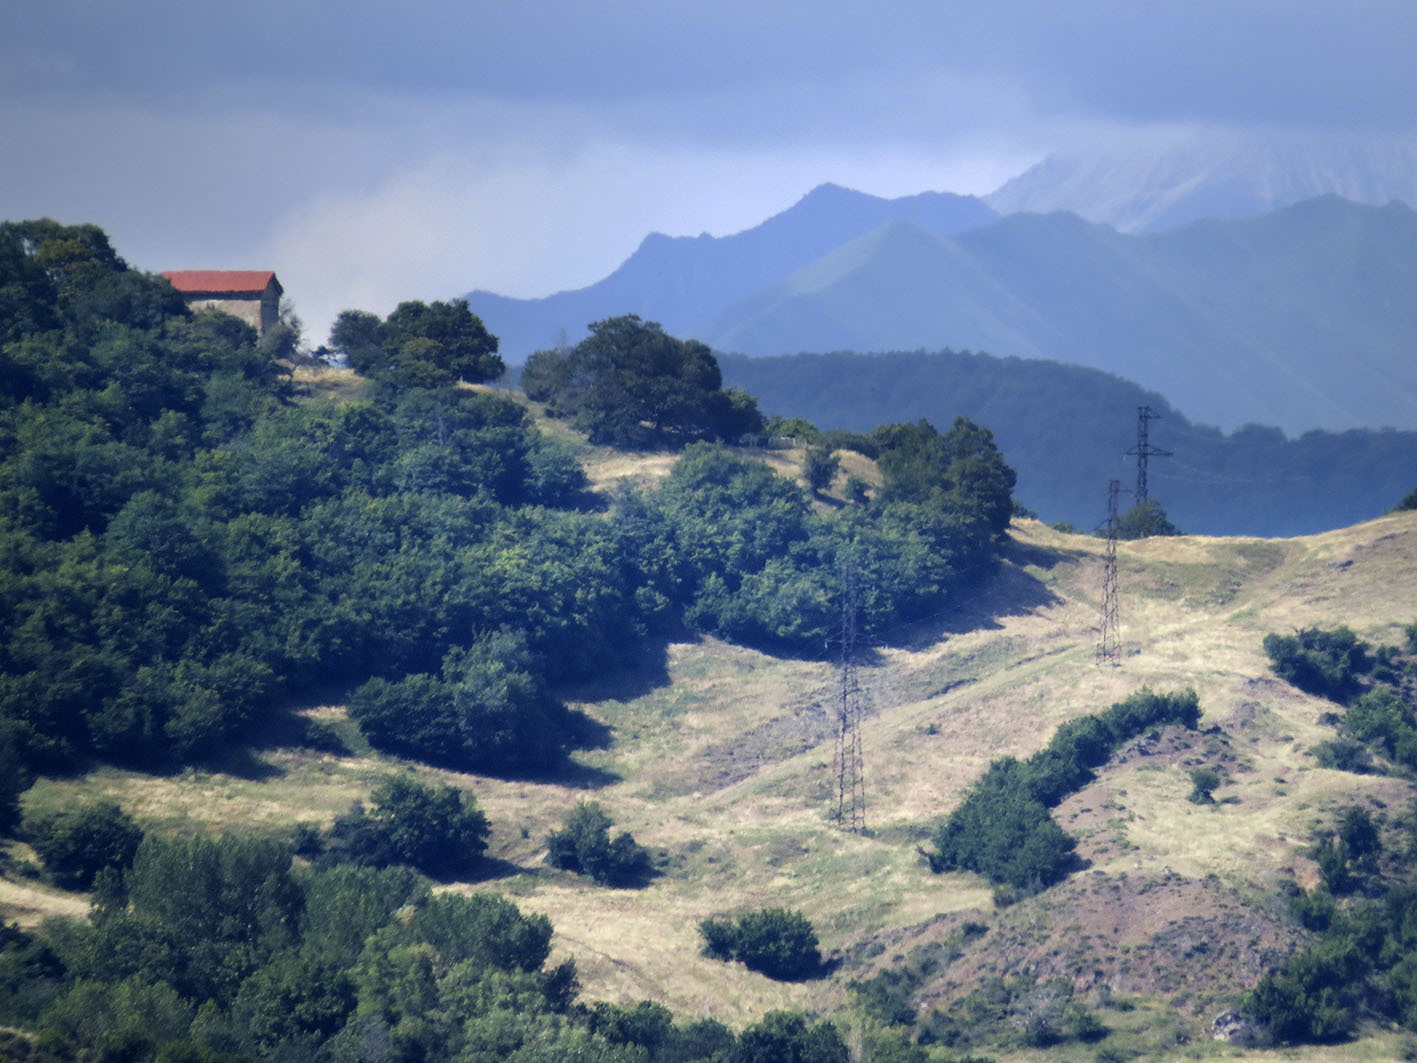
(253, 295)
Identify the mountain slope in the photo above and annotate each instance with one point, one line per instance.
(723, 763)
(1296, 319)
(1151, 185)
(679, 281)
(1065, 430)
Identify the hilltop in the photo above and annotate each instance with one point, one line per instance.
(720, 762)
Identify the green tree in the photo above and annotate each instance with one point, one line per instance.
(819, 468)
(1143, 520)
(419, 345)
(1203, 784)
(786, 1037)
(1313, 997)
(631, 384)
(76, 845)
(778, 942)
(584, 845)
(436, 829)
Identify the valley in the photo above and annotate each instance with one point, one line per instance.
(720, 763)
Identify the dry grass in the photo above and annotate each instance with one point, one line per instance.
(725, 770)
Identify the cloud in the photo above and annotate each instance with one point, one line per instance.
(373, 152)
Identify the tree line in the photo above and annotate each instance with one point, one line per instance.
(185, 541)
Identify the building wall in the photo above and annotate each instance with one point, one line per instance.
(250, 309)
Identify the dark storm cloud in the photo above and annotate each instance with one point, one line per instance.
(1238, 62)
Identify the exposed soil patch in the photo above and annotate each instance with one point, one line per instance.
(1191, 942)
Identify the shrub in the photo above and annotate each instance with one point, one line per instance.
(75, 846)
(1144, 520)
(584, 845)
(1312, 997)
(1324, 663)
(1344, 754)
(1003, 830)
(819, 468)
(437, 830)
(777, 942)
(785, 1037)
(1203, 784)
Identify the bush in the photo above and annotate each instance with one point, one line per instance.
(437, 830)
(584, 846)
(785, 1037)
(1144, 520)
(777, 942)
(1003, 830)
(819, 468)
(1325, 663)
(75, 846)
(488, 711)
(1312, 998)
(1203, 784)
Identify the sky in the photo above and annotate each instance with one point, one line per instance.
(372, 152)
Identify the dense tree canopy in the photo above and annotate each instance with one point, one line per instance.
(419, 345)
(629, 383)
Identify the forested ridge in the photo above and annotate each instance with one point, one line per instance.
(1067, 430)
(189, 543)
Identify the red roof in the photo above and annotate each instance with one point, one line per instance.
(243, 281)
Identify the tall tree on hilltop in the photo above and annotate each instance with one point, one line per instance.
(629, 383)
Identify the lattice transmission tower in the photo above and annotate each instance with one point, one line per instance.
(850, 811)
(1109, 644)
(1144, 449)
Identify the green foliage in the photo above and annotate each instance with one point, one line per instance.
(15, 779)
(1338, 665)
(1144, 520)
(786, 1037)
(777, 942)
(489, 711)
(419, 345)
(75, 846)
(1019, 1012)
(960, 470)
(1203, 784)
(438, 830)
(819, 468)
(1312, 997)
(584, 845)
(801, 431)
(1409, 501)
(235, 956)
(1003, 831)
(1326, 663)
(630, 384)
(756, 565)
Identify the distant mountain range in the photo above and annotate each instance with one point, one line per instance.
(680, 281)
(1162, 182)
(1302, 317)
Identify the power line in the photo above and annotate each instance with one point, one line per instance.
(850, 811)
(1109, 644)
(1144, 449)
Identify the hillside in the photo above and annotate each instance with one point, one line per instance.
(680, 281)
(1295, 319)
(720, 760)
(1065, 430)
